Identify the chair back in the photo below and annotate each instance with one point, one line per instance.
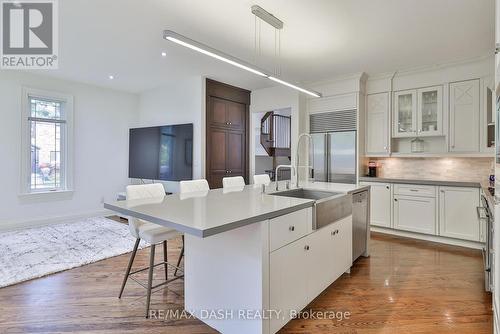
(193, 185)
(262, 179)
(142, 191)
(233, 181)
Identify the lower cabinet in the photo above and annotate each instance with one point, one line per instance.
(415, 214)
(301, 270)
(445, 211)
(380, 203)
(457, 213)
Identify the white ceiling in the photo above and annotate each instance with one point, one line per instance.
(321, 38)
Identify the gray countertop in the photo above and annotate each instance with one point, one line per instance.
(212, 212)
(208, 213)
(420, 181)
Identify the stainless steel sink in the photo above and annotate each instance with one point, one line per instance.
(329, 206)
(307, 193)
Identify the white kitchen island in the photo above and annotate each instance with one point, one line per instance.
(251, 260)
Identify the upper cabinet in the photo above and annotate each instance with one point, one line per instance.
(405, 113)
(418, 112)
(464, 116)
(430, 111)
(377, 124)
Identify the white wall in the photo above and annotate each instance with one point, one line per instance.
(182, 100)
(102, 118)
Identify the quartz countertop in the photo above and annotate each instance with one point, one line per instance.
(211, 212)
(215, 211)
(422, 181)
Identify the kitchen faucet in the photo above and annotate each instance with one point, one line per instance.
(276, 173)
(311, 151)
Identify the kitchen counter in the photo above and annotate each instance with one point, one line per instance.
(423, 182)
(207, 213)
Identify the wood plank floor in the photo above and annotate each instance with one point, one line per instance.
(406, 286)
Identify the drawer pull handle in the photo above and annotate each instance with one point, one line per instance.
(413, 189)
(395, 200)
(291, 228)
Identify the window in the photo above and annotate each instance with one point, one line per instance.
(47, 134)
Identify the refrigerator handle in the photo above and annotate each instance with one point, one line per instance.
(327, 156)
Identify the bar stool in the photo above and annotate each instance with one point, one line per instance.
(262, 179)
(233, 181)
(190, 187)
(151, 233)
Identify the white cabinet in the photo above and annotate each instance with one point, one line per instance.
(301, 270)
(405, 114)
(377, 124)
(457, 213)
(380, 203)
(288, 276)
(415, 214)
(430, 111)
(418, 112)
(464, 116)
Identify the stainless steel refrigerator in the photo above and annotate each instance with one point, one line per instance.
(335, 156)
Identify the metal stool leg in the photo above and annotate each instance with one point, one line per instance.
(181, 255)
(130, 262)
(150, 278)
(165, 258)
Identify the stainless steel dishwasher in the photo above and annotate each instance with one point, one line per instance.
(360, 224)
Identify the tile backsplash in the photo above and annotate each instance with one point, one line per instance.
(446, 169)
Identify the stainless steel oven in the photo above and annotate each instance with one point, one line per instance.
(485, 215)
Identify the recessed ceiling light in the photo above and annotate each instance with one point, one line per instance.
(111, 77)
(163, 54)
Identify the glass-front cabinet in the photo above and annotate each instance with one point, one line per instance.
(405, 114)
(418, 112)
(430, 111)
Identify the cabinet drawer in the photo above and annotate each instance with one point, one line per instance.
(288, 228)
(414, 190)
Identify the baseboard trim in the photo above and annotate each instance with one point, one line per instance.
(432, 238)
(16, 225)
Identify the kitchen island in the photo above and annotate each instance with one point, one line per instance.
(252, 259)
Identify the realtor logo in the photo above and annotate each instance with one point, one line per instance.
(29, 34)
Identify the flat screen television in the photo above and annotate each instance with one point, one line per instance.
(161, 153)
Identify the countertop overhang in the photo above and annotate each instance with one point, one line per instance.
(211, 212)
(423, 182)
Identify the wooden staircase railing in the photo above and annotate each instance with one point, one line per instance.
(275, 134)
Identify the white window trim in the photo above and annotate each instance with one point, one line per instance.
(66, 145)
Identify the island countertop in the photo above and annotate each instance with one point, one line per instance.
(211, 212)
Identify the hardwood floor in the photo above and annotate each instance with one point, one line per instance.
(406, 286)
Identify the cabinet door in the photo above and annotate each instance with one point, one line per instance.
(319, 252)
(430, 111)
(236, 115)
(405, 114)
(377, 124)
(288, 277)
(342, 246)
(218, 152)
(464, 116)
(217, 112)
(457, 213)
(415, 214)
(380, 203)
(235, 161)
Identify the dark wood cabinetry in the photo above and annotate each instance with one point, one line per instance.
(227, 132)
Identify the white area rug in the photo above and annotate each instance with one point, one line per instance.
(36, 252)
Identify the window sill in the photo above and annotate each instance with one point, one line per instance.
(53, 195)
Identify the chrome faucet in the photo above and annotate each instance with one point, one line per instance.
(311, 151)
(276, 172)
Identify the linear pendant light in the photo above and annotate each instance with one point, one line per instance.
(206, 50)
